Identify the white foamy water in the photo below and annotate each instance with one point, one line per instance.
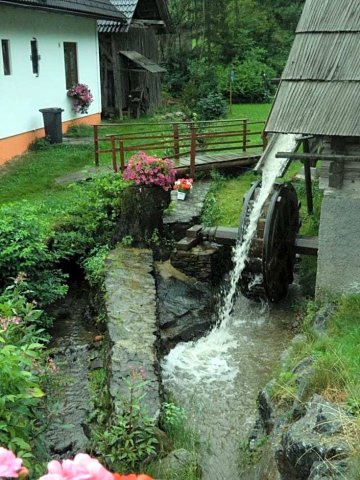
(207, 370)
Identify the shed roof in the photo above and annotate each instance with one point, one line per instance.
(143, 62)
(319, 92)
(88, 8)
(136, 9)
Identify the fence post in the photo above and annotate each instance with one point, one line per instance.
(176, 141)
(113, 153)
(122, 155)
(96, 144)
(192, 150)
(245, 127)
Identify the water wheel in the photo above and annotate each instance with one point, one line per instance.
(269, 269)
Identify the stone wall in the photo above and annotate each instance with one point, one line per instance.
(130, 302)
(207, 262)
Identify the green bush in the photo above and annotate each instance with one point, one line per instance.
(130, 437)
(202, 81)
(211, 107)
(24, 247)
(30, 244)
(20, 360)
(252, 82)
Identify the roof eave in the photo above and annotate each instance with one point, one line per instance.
(116, 16)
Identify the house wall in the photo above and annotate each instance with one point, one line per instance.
(22, 93)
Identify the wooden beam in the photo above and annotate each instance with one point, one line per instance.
(308, 182)
(160, 23)
(318, 156)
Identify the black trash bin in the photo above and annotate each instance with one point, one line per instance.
(52, 123)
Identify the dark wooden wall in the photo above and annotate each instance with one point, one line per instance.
(117, 73)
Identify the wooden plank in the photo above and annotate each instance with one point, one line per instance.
(317, 156)
(307, 245)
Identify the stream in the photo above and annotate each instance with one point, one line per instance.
(217, 380)
(73, 353)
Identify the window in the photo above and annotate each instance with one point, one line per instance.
(35, 57)
(71, 70)
(5, 48)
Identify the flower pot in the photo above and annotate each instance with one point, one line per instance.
(181, 195)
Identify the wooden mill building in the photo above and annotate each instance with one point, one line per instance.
(130, 74)
(319, 98)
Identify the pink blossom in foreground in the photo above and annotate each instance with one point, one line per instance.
(83, 467)
(10, 465)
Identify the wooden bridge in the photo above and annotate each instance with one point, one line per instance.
(194, 146)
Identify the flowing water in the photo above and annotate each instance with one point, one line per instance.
(217, 378)
(68, 393)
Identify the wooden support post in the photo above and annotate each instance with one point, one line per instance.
(264, 139)
(122, 156)
(113, 153)
(308, 183)
(192, 150)
(96, 144)
(245, 127)
(176, 141)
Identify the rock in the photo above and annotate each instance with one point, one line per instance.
(185, 309)
(266, 408)
(336, 470)
(304, 372)
(165, 445)
(175, 463)
(130, 302)
(308, 441)
(322, 317)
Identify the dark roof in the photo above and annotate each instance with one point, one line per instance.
(319, 92)
(103, 9)
(136, 9)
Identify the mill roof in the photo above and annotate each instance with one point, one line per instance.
(136, 9)
(319, 91)
(88, 8)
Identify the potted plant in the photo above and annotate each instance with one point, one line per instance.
(143, 203)
(150, 171)
(183, 187)
(82, 97)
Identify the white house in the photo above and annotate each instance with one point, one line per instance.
(46, 47)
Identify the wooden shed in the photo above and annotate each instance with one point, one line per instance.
(319, 99)
(129, 55)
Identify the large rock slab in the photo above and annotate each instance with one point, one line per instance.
(185, 306)
(130, 302)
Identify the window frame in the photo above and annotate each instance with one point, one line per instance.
(71, 64)
(34, 56)
(6, 56)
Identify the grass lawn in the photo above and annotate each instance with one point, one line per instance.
(32, 176)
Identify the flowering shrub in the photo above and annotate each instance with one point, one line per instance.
(10, 465)
(83, 467)
(183, 184)
(149, 170)
(82, 97)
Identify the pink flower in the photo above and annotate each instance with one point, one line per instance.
(10, 466)
(83, 467)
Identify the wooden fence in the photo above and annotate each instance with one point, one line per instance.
(177, 140)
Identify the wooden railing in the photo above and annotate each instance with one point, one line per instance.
(176, 139)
